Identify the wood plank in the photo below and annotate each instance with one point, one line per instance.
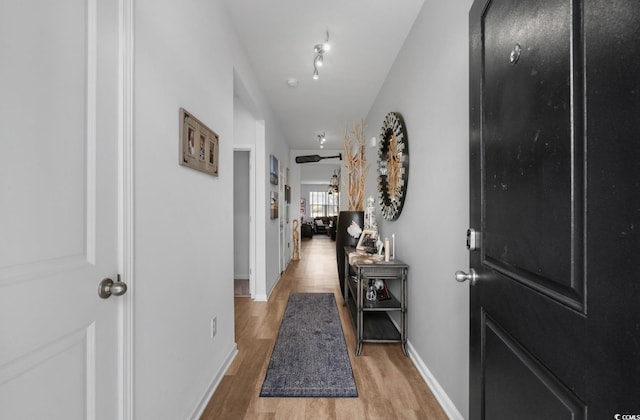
(389, 385)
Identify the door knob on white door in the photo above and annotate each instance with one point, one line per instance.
(108, 287)
(472, 276)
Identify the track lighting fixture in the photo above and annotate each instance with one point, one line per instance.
(320, 50)
(334, 183)
(321, 139)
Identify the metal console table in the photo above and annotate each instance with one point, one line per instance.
(371, 318)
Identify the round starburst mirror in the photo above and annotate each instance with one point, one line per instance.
(393, 165)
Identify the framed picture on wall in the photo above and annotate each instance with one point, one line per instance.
(198, 144)
(273, 205)
(303, 206)
(273, 170)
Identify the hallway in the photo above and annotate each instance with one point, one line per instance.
(389, 386)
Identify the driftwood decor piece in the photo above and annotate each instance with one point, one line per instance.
(296, 241)
(356, 165)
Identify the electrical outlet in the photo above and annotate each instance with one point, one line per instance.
(214, 326)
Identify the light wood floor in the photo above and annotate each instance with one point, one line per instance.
(241, 288)
(389, 386)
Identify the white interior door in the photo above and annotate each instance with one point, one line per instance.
(58, 209)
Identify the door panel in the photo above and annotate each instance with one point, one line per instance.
(531, 244)
(528, 140)
(58, 194)
(554, 192)
(38, 373)
(521, 386)
(528, 308)
(43, 137)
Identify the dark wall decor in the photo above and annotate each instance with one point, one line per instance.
(273, 170)
(273, 205)
(198, 145)
(393, 165)
(287, 194)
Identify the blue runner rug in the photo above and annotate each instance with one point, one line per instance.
(310, 357)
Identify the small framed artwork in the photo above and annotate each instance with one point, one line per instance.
(287, 194)
(273, 205)
(273, 169)
(198, 145)
(367, 241)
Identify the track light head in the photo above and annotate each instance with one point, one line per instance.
(320, 50)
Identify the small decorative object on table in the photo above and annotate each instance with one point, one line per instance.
(382, 291)
(372, 295)
(369, 215)
(363, 257)
(367, 241)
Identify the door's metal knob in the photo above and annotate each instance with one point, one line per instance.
(472, 276)
(107, 287)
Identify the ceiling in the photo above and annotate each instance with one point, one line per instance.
(279, 38)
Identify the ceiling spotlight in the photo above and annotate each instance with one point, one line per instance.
(320, 49)
(317, 62)
(321, 139)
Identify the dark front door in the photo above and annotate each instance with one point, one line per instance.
(555, 199)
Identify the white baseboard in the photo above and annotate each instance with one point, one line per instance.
(445, 402)
(442, 397)
(241, 276)
(261, 298)
(197, 412)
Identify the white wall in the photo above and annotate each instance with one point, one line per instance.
(428, 85)
(185, 56)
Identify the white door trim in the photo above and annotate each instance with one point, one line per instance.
(126, 205)
(252, 213)
(261, 216)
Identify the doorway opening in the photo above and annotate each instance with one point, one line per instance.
(242, 222)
